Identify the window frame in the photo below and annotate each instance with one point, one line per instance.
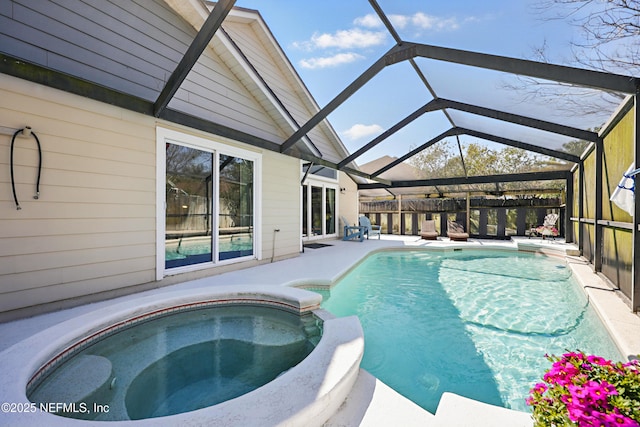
(217, 148)
(324, 183)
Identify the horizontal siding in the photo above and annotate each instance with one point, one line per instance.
(133, 49)
(211, 90)
(238, 35)
(250, 45)
(93, 228)
(281, 205)
(68, 290)
(293, 98)
(127, 48)
(60, 227)
(21, 269)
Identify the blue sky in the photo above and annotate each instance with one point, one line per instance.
(331, 42)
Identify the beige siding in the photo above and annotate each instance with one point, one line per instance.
(349, 205)
(264, 58)
(281, 206)
(93, 228)
(212, 91)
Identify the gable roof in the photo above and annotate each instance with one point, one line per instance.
(247, 46)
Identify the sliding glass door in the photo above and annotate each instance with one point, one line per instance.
(189, 196)
(209, 206)
(235, 231)
(318, 210)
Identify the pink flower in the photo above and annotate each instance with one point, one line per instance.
(539, 388)
(597, 360)
(579, 414)
(617, 419)
(582, 387)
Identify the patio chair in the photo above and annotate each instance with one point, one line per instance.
(352, 232)
(369, 229)
(428, 230)
(548, 227)
(456, 232)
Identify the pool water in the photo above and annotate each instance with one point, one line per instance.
(180, 361)
(475, 323)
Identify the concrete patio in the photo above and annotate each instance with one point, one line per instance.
(372, 403)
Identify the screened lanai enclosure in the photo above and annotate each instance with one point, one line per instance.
(495, 164)
(574, 171)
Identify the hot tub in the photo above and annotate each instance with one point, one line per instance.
(190, 358)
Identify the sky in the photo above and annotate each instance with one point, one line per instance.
(330, 43)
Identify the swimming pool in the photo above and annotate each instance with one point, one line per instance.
(473, 322)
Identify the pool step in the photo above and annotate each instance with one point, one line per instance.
(458, 411)
(89, 381)
(372, 403)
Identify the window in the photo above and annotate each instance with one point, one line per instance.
(206, 210)
(330, 211)
(188, 201)
(320, 171)
(316, 210)
(235, 232)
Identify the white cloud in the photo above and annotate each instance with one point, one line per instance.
(429, 22)
(365, 35)
(349, 39)
(358, 131)
(370, 21)
(330, 61)
(418, 21)
(400, 21)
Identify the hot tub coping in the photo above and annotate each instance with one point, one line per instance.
(310, 392)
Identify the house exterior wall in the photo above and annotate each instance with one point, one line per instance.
(281, 206)
(348, 199)
(93, 230)
(132, 49)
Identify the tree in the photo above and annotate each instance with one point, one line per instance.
(436, 161)
(609, 41)
(576, 147)
(610, 30)
(443, 160)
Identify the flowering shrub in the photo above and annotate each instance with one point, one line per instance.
(581, 390)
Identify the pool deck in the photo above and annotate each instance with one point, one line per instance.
(371, 402)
